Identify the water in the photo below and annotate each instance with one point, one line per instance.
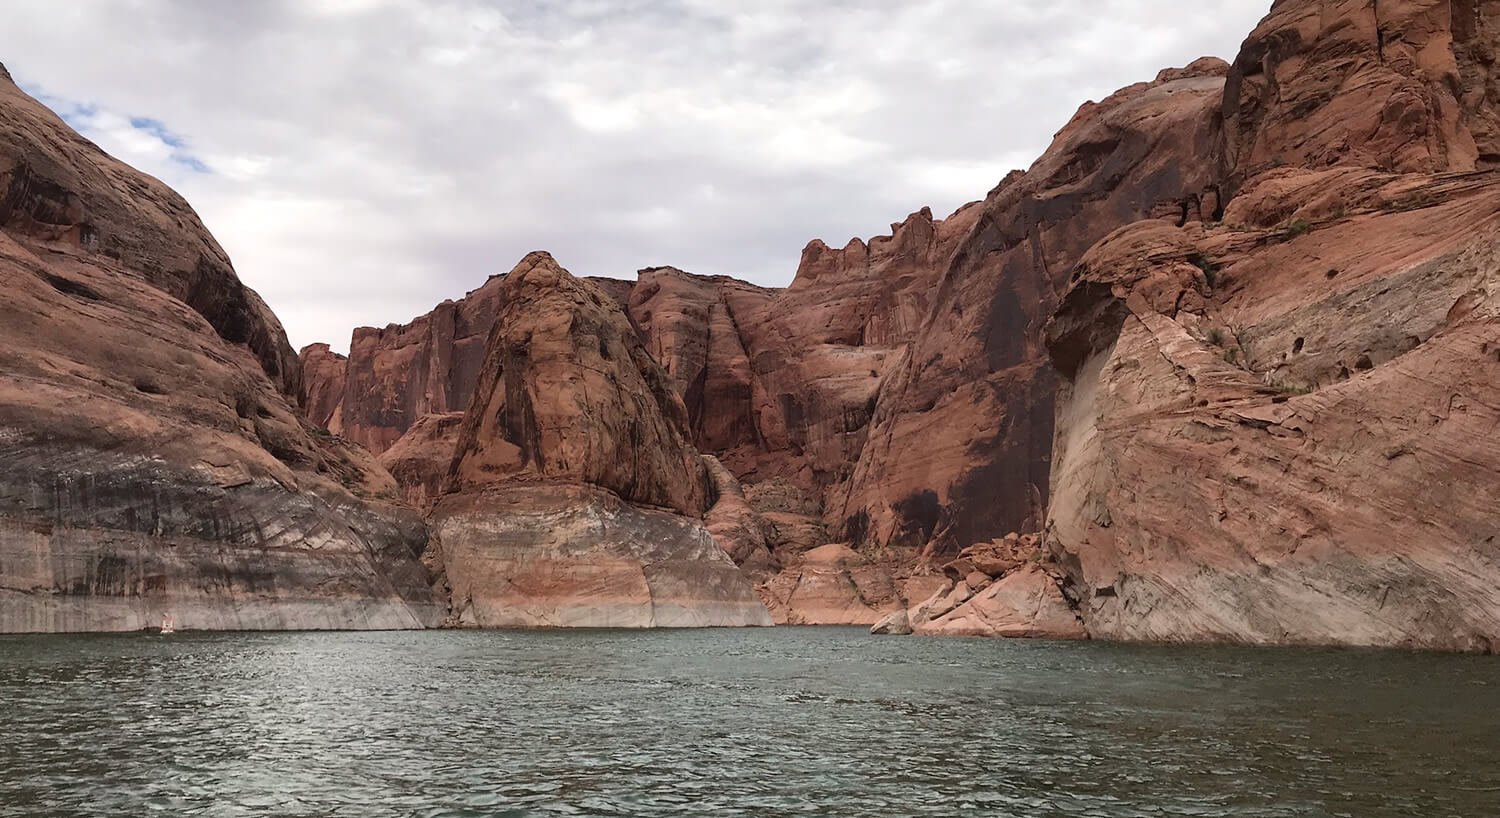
(790, 721)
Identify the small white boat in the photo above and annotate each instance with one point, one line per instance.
(167, 626)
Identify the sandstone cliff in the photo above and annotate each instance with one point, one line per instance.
(575, 496)
(151, 458)
(396, 375)
(322, 399)
(1297, 239)
(1274, 429)
(780, 384)
(958, 449)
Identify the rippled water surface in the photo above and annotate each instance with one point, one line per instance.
(790, 721)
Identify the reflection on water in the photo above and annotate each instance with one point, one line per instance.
(790, 721)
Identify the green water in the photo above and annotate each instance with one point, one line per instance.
(790, 721)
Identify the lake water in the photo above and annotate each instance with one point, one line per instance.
(789, 721)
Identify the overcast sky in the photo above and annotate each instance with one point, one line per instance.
(362, 160)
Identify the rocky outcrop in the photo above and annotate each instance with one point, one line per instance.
(1294, 453)
(1024, 604)
(323, 373)
(737, 526)
(1007, 587)
(1272, 430)
(1266, 296)
(781, 385)
(568, 392)
(958, 448)
(575, 495)
(420, 459)
(555, 555)
(688, 325)
(820, 350)
(1404, 86)
(151, 459)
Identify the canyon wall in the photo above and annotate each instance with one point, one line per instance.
(1274, 428)
(1213, 368)
(896, 398)
(958, 449)
(152, 460)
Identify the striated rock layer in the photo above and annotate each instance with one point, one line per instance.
(575, 498)
(562, 555)
(1276, 429)
(151, 459)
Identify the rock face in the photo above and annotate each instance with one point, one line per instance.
(1406, 86)
(151, 461)
(832, 585)
(1225, 339)
(1025, 604)
(420, 459)
(396, 375)
(1294, 454)
(555, 555)
(569, 393)
(323, 372)
(958, 449)
(1275, 430)
(737, 527)
(688, 325)
(575, 494)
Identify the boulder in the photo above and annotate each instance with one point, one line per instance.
(1026, 603)
(893, 624)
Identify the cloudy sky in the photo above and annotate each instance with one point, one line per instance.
(362, 160)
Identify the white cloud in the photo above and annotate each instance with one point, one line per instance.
(369, 158)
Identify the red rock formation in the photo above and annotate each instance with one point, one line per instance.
(784, 385)
(575, 494)
(1394, 86)
(1296, 453)
(397, 376)
(1276, 430)
(567, 392)
(958, 449)
(430, 366)
(899, 396)
(420, 459)
(323, 386)
(781, 385)
(820, 350)
(831, 585)
(737, 526)
(688, 325)
(1026, 603)
(150, 458)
